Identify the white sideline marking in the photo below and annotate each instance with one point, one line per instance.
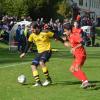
(14, 65)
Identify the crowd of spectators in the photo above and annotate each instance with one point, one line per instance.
(6, 24)
(88, 21)
(23, 31)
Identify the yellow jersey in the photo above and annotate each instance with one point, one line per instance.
(41, 40)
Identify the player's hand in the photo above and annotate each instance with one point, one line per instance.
(22, 55)
(55, 39)
(66, 44)
(64, 38)
(72, 50)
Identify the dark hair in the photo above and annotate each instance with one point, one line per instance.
(79, 13)
(35, 25)
(67, 26)
(19, 25)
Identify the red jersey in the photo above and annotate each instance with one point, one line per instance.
(78, 31)
(74, 41)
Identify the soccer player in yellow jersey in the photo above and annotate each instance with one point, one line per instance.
(42, 41)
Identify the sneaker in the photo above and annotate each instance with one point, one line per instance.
(87, 85)
(37, 84)
(46, 82)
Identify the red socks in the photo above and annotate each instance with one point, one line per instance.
(80, 75)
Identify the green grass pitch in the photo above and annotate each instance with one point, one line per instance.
(65, 86)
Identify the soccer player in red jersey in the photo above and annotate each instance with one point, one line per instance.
(79, 53)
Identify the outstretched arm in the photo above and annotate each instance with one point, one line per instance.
(58, 38)
(26, 49)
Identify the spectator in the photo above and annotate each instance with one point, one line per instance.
(18, 37)
(93, 35)
(78, 18)
(23, 38)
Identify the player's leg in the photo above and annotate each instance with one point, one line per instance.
(78, 73)
(44, 58)
(35, 73)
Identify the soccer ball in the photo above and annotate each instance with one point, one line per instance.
(21, 79)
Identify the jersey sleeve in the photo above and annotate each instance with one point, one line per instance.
(50, 34)
(30, 39)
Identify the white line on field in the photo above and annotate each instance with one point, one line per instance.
(12, 65)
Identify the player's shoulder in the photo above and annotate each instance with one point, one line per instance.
(46, 32)
(50, 32)
(32, 34)
(43, 32)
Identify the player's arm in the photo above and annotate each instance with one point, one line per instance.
(67, 44)
(29, 42)
(26, 49)
(55, 36)
(58, 38)
(79, 45)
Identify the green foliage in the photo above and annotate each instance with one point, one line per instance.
(1, 6)
(15, 7)
(63, 8)
(36, 8)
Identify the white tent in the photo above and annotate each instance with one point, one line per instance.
(86, 29)
(12, 34)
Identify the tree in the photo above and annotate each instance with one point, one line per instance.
(63, 8)
(15, 7)
(35, 8)
(1, 7)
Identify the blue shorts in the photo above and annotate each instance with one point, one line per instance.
(44, 56)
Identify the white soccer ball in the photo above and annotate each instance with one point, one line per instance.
(21, 79)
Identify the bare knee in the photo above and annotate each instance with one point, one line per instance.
(71, 69)
(42, 64)
(33, 67)
(77, 68)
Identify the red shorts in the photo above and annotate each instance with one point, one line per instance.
(78, 60)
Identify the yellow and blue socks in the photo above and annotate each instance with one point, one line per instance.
(46, 73)
(36, 76)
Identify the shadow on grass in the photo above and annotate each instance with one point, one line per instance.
(73, 82)
(96, 83)
(64, 83)
(67, 83)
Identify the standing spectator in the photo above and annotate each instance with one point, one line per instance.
(23, 38)
(78, 18)
(93, 35)
(18, 37)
